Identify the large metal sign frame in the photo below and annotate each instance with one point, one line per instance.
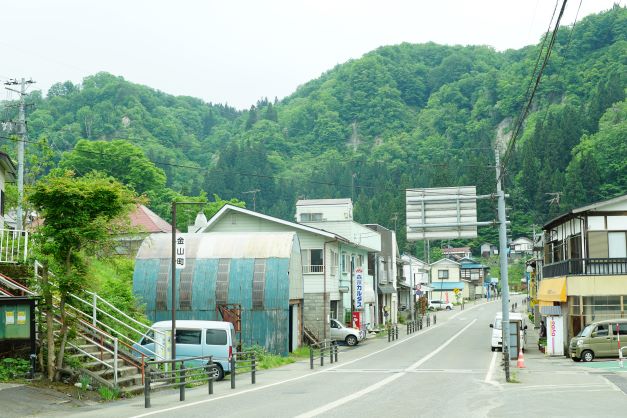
(442, 213)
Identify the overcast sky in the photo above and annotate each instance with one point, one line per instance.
(237, 51)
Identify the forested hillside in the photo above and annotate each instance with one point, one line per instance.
(401, 116)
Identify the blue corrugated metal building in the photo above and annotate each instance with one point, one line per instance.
(260, 271)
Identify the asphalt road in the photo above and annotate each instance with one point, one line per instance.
(446, 370)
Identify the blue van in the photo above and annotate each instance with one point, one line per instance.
(194, 339)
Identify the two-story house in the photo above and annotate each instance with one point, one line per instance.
(520, 247)
(584, 276)
(388, 267)
(456, 253)
(445, 278)
(336, 216)
(473, 274)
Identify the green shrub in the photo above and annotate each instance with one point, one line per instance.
(13, 368)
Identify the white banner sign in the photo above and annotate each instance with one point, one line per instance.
(555, 335)
(359, 288)
(180, 252)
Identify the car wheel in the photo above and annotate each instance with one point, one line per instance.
(351, 340)
(576, 359)
(218, 372)
(587, 356)
(448, 308)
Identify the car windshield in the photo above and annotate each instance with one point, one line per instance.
(586, 331)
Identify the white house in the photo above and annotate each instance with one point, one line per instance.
(521, 246)
(416, 276)
(445, 278)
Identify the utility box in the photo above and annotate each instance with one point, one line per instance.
(17, 325)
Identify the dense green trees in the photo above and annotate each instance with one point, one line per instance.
(400, 116)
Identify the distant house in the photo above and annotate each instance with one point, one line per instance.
(474, 274)
(456, 253)
(445, 278)
(488, 250)
(415, 278)
(521, 246)
(7, 175)
(142, 222)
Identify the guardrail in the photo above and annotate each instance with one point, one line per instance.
(327, 346)
(248, 358)
(392, 332)
(177, 376)
(13, 246)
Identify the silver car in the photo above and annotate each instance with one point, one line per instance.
(340, 332)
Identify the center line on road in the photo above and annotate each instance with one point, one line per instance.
(383, 382)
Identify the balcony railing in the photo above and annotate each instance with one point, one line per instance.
(13, 246)
(313, 269)
(586, 267)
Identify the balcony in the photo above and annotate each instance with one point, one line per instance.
(586, 267)
(13, 246)
(313, 269)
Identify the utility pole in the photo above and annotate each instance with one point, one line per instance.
(254, 193)
(503, 262)
(20, 147)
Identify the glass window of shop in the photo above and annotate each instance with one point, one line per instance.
(588, 309)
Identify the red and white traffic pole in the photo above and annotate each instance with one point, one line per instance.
(620, 352)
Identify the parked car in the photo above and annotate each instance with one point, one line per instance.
(438, 304)
(340, 332)
(497, 330)
(193, 339)
(599, 339)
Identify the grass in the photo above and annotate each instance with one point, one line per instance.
(107, 393)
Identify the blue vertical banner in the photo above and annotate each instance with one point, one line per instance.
(359, 288)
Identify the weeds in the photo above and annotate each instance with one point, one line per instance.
(107, 393)
(13, 368)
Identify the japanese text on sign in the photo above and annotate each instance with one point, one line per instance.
(359, 288)
(180, 252)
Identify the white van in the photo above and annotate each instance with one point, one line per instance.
(497, 329)
(194, 339)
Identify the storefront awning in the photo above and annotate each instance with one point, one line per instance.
(552, 290)
(386, 289)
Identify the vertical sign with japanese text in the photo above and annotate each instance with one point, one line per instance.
(359, 288)
(180, 252)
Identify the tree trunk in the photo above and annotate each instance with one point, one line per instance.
(63, 336)
(45, 286)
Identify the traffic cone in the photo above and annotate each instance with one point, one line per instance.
(521, 360)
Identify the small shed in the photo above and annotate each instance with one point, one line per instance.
(261, 272)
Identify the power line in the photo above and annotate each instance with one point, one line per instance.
(527, 107)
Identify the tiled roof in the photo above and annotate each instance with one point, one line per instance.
(456, 250)
(144, 218)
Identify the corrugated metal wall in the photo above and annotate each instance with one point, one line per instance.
(266, 325)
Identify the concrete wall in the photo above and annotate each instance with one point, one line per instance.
(313, 313)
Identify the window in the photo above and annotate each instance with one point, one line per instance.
(360, 261)
(149, 338)
(334, 262)
(345, 263)
(442, 274)
(187, 336)
(617, 244)
(312, 261)
(259, 282)
(602, 330)
(215, 337)
(311, 217)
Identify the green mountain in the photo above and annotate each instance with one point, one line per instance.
(401, 116)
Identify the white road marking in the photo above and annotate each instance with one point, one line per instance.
(230, 395)
(383, 382)
(488, 376)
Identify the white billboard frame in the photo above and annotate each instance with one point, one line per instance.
(442, 213)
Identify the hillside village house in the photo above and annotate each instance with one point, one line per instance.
(336, 216)
(473, 274)
(456, 253)
(326, 265)
(520, 247)
(142, 222)
(585, 265)
(445, 278)
(488, 250)
(387, 267)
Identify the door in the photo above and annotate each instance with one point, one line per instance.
(619, 338)
(335, 333)
(188, 343)
(600, 340)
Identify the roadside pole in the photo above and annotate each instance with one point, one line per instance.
(503, 262)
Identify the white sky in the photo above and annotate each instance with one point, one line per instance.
(237, 51)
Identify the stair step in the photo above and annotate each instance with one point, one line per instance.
(130, 380)
(122, 371)
(96, 364)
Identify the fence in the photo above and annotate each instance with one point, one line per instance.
(13, 246)
(178, 376)
(324, 346)
(248, 359)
